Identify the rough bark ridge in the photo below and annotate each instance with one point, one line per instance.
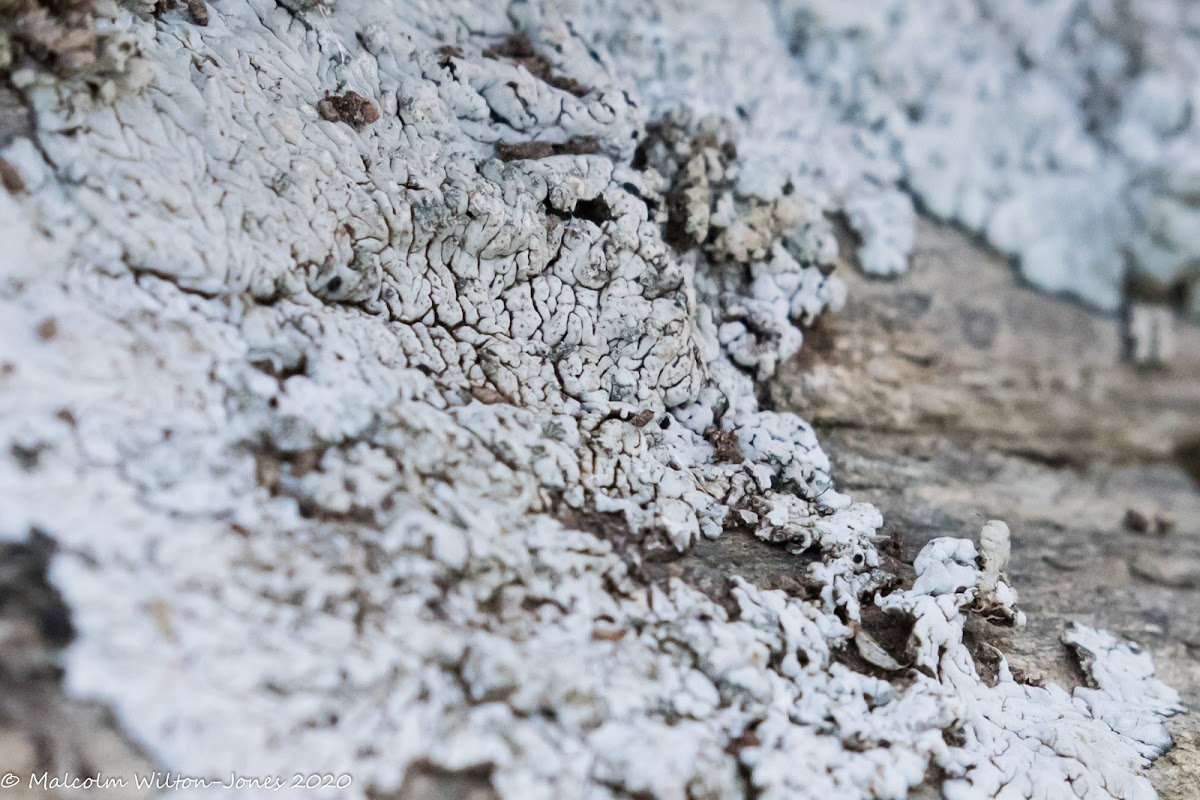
(362, 361)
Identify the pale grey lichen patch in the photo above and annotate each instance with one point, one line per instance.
(313, 392)
(996, 594)
(1021, 740)
(733, 63)
(1065, 132)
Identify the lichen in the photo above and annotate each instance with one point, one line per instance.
(316, 395)
(1023, 740)
(1064, 132)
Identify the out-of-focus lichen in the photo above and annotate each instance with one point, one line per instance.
(1065, 132)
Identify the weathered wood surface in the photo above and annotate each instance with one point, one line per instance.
(957, 346)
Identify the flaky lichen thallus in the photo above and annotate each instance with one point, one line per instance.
(537, 287)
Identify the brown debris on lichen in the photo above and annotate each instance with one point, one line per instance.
(523, 151)
(519, 50)
(1136, 521)
(447, 52)
(10, 179)
(520, 151)
(695, 163)
(725, 445)
(198, 11)
(351, 108)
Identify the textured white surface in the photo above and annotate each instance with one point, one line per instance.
(1066, 132)
(304, 400)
